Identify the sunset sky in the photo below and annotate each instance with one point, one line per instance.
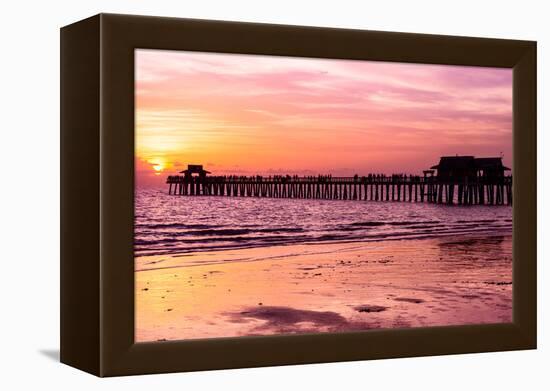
(247, 114)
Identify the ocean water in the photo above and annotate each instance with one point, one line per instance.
(171, 225)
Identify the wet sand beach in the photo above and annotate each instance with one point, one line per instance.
(330, 287)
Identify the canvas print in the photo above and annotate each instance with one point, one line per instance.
(285, 195)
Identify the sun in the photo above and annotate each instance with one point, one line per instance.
(158, 165)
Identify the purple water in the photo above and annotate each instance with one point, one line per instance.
(167, 224)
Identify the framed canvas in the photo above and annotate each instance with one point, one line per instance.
(241, 195)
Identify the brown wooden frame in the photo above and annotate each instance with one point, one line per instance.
(97, 194)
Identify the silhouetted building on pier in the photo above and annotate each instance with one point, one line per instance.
(459, 168)
(194, 169)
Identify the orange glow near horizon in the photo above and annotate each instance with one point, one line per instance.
(247, 114)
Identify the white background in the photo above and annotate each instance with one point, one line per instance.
(29, 193)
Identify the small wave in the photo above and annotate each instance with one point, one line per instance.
(174, 225)
(153, 242)
(218, 231)
(184, 251)
(174, 246)
(391, 223)
(368, 224)
(476, 221)
(398, 223)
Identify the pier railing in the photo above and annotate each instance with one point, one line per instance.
(405, 188)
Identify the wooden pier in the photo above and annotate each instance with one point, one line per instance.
(400, 188)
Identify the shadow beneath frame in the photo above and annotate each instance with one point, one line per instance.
(52, 354)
